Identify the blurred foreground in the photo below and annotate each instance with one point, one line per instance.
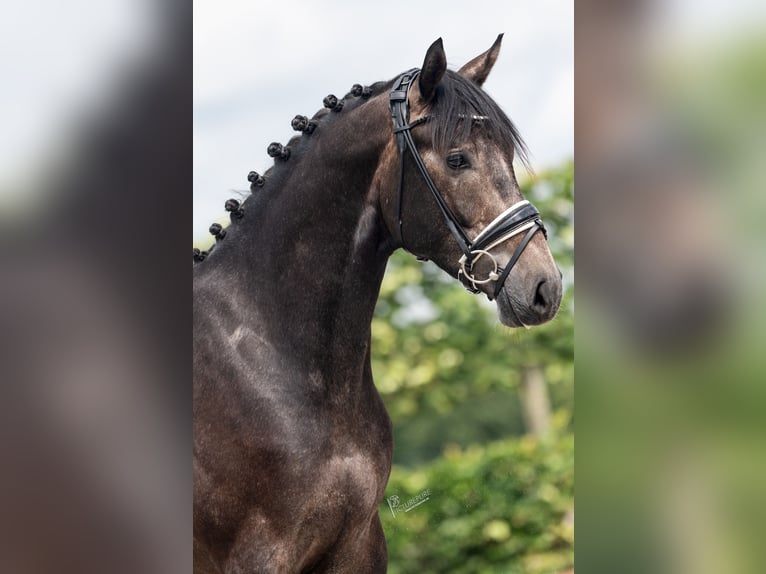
(670, 365)
(94, 321)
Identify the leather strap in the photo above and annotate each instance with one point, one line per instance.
(506, 224)
(515, 257)
(399, 105)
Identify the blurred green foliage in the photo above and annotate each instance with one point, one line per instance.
(449, 373)
(499, 508)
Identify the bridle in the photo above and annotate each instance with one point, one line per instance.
(520, 217)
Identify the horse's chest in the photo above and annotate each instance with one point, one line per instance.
(353, 482)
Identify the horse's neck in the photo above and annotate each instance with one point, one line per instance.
(313, 255)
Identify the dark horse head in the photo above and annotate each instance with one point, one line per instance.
(292, 442)
(477, 227)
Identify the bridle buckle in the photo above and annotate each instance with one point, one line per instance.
(467, 272)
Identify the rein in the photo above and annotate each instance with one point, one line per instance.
(520, 217)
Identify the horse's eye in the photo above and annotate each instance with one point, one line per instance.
(457, 160)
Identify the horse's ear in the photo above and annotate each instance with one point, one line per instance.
(479, 68)
(434, 66)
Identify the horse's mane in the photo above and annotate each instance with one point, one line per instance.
(300, 144)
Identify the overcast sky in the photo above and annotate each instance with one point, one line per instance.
(258, 64)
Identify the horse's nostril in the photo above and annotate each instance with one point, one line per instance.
(541, 295)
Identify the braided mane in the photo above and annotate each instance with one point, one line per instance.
(295, 148)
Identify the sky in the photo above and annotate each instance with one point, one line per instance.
(258, 64)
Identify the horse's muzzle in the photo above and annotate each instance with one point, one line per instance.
(534, 301)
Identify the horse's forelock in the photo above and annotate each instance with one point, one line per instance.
(457, 101)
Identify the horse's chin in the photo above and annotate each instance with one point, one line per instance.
(506, 312)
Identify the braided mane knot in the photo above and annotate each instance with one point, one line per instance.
(233, 206)
(299, 123)
(360, 90)
(332, 102)
(277, 150)
(217, 231)
(303, 124)
(199, 255)
(255, 179)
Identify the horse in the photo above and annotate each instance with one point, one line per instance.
(292, 442)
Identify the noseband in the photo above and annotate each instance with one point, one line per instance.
(520, 217)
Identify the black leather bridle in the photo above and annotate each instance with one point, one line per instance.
(520, 217)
